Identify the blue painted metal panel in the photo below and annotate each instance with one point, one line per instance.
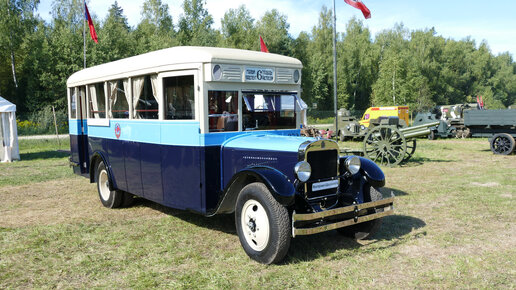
(74, 127)
(210, 176)
(180, 133)
(133, 173)
(117, 161)
(150, 155)
(149, 131)
(267, 142)
(181, 174)
(236, 159)
(211, 139)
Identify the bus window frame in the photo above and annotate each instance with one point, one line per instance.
(197, 101)
(100, 122)
(130, 92)
(70, 103)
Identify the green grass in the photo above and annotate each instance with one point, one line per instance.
(40, 161)
(454, 228)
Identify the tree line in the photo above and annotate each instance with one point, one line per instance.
(397, 67)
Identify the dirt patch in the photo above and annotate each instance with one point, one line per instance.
(72, 200)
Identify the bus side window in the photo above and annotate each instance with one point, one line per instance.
(223, 111)
(179, 97)
(118, 99)
(145, 97)
(73, 104)
(97, 100)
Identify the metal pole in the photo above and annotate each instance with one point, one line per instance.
(335, 70)
(84, 31)
(55, 125)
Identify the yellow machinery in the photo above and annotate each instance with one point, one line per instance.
(372, 113)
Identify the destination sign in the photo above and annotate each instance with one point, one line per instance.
(253, 74)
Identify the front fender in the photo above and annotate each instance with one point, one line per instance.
(373, 173)
(278, 184)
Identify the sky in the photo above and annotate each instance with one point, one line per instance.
(493, 21)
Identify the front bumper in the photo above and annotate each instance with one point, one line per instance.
(313, 223)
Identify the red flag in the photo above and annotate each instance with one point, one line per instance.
(90, 24)
(359, 5)
(263, 48)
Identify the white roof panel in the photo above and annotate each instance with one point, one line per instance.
(180, 55)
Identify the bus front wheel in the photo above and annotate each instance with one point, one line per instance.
(262, 224)
(109, 198)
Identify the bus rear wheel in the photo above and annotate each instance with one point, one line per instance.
(109, 198)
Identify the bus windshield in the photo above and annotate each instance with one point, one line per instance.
(266, 111)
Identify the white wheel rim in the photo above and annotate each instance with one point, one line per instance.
(255, 225)
(104, 185)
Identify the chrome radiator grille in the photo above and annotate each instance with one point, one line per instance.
(323, 158)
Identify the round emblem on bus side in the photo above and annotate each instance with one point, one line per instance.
(118, 131)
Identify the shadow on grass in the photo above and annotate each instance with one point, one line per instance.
(223, 222)
(418, 161)
(307, 248)
(44, 155)
(303, 248)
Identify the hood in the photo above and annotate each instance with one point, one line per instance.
(267, 142)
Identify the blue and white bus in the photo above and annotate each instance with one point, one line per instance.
(216, 130)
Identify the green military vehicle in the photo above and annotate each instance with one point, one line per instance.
(450, 118)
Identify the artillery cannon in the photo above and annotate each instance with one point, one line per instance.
(390, 145)
(388, 142)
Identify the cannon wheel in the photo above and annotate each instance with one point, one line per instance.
(385, 145)
(411, 148)
(502, 143)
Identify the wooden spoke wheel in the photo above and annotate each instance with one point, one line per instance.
(385, 145)
(411, 148)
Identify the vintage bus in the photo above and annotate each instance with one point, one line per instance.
(217, 130)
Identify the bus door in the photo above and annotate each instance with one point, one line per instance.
(79, 131)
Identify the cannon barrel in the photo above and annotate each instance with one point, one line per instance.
(423, 126)
(418, 131)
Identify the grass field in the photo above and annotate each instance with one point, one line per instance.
(454, 228)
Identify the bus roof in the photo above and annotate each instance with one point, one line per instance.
(156, 61)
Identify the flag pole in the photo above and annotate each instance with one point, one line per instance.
(335, 70)
(84, 32)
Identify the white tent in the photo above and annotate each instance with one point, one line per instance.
(8, 132)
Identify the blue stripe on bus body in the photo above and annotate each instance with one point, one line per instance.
(74, 127)
(184, 133)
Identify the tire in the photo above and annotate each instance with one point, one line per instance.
(262, 224)
(342, 138)
(109, 198)
(502, 144)
(431, 136)
(365, 230)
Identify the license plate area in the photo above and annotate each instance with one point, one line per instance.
(323, 185)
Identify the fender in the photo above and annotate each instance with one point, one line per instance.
(93, 161)
(374, 175)
(278, 184)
